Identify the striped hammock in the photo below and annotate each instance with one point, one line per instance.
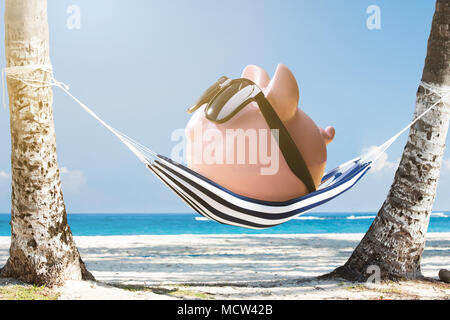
(217, 203)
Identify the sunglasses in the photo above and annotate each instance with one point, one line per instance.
(226, 97)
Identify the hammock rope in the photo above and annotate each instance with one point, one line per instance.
(210, 199)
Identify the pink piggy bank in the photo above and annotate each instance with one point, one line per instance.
(241, 153)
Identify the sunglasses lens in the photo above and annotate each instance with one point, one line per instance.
(227, 103)
(208, 94)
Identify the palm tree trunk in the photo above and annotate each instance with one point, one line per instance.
(396, 239)
(42, 248)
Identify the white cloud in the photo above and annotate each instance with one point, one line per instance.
(4, 175)
(446, 165)
(382, 162)
(72, 180)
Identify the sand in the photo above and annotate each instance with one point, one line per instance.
(236, 267)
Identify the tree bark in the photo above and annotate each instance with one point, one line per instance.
(396, 239)
(42, 247)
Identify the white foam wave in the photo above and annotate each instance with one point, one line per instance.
(309, 218)
(439, 215)
(360, 217)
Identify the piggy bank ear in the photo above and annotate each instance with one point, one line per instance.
(283, 93)
(257, 75)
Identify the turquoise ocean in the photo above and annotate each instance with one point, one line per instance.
(172, 224)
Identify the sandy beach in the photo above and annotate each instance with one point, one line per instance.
(236, 267)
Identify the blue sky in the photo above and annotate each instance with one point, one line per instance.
(139, 64)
